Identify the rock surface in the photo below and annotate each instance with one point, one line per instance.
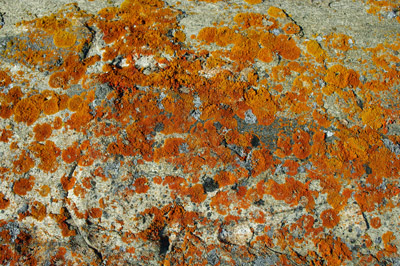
(149, 132)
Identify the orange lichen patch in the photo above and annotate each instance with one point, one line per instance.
(284, 146)
(292, 167)
(207, 34)
(48, 154)
(244, 51)
(225, 36)
(276, 12)
(6, 111)
(4, 203)
(26, 111)
(14, 95)
(373, 117)
(253, 2)
(221, 202)
(141, 185)
(375, 222)
(265, 55)
(5, 135)
(261, 160)
(196, 193)
(333, 251)
(42, 131)
(63, 102)
(388, 238)
(44, 190)
(79, 191)
(5, 79)
(95, 212)
(58, 80)
(292, 191)
(67, 182)
(23, 186)
(70, 154)
(247, 20)
(286, 47)
(225, 178)
(57, 123)
(339, 41)
(330, 218)
(38, 210)
(315, 49)
(60, 219)
(23, 164)
(291, 28)
(179, 36)
(85, 160)
(337, 76)
(64, 39)
(321, 119)
(263, 105)
(170, 148)
(74, 103)
(337, 200)
(50, 106)
(301, 146)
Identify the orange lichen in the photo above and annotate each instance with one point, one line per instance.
(4, 203)
(70, 154)
(221, 202)
(207, 34)
(141, 185)
(67, 182)
(292, 192)
(291, 28)
(388, 239)
(225, 36)
(57, 123)
(276, 12)
(340, 41)
(42, 131)
(26, 111)
(50, 106)
(23, 186)
(315, 49)
(5, 79)
(330, 218)
(247, 20)
(337, 76)
(265, 55)
(333, 251)
(301, 146)
(60, 219)
(225, 178)
(5, 135)
(38, 210)
(95, 212)
(375, 222)
(74, 103)
(253, 2)
(373, 116)
(23, 164)
(44, 190)
(64, 39)
(58, 80)
(196, 193)
(48, 154)
(286, 47)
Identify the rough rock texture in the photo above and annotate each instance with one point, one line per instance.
(150, 132)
